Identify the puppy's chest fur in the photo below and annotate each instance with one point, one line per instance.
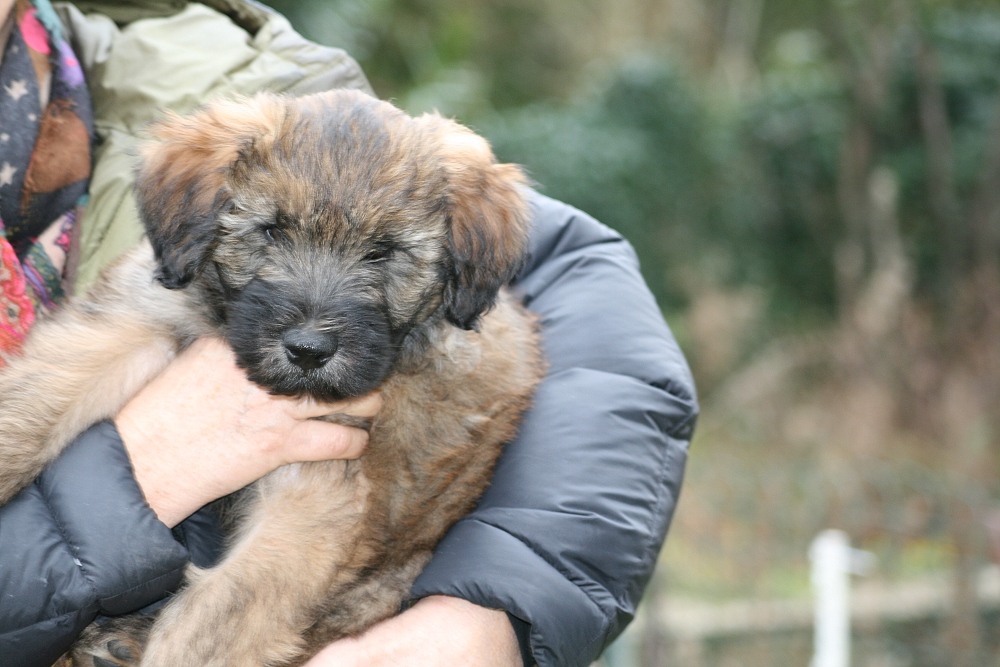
(446, 418)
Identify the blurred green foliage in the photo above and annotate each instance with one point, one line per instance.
(500, 53)
(634, 155)
(715, 184)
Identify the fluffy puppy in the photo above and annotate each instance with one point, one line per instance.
(338, 245)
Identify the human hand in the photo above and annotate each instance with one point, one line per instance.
(437, 630)
(201, 430)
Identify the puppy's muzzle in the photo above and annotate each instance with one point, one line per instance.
(308, 349)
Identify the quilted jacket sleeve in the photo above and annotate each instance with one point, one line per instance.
(79, 542)
(567, 536)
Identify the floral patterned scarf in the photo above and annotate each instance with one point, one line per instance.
(46, 130)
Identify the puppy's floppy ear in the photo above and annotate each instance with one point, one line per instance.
(488, 221)
(181, 181)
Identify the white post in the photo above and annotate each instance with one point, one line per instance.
(830, 554)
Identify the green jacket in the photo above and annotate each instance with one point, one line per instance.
(140, 58)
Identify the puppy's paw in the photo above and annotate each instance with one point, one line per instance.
(118, 642)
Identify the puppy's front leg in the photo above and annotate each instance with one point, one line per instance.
(81, 365)
(297, 543)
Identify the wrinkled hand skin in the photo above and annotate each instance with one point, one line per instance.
(118, 642)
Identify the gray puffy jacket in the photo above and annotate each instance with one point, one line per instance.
(565, 539)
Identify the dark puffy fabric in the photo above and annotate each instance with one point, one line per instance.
(79, 542)
(565, 539)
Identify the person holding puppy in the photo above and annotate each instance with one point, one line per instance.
(547, 569)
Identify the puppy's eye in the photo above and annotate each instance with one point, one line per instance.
(380, 253)
(274, 234)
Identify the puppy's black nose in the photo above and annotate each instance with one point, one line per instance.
(309, 349)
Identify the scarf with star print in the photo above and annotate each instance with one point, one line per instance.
(46, 129)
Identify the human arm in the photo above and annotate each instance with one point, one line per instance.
(82, 540)
(78, 542)
(567, 535)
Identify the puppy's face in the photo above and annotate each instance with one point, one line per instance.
(327, 229)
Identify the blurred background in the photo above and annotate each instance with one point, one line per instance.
(813, 188)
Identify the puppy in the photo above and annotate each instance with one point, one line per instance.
(338, 245)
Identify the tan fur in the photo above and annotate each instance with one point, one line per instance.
(320, 550)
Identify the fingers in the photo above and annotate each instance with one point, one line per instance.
(366, 406)
(307, 438)
(216, 356)
(435, 631)
(315, 440)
